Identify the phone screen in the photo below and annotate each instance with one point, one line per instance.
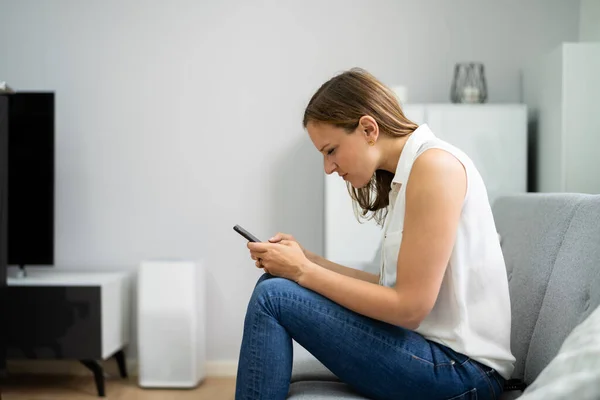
(246, 234)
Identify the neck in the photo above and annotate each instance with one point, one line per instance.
(391, 151)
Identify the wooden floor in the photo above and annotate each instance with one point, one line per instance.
(83, 388)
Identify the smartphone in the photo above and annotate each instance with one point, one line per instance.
(246, 234)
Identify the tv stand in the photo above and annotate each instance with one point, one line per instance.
(98, 371)
(22, 272)
(69, 315)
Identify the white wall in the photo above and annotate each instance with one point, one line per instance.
(177, 120)
(589, 21)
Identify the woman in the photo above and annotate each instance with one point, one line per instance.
(435, 323)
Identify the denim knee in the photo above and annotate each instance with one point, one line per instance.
(263, 278)
(268, 291)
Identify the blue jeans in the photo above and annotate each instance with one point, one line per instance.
(376, 359)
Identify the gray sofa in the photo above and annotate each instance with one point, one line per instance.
(551, 245)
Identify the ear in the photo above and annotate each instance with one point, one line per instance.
(368, 127)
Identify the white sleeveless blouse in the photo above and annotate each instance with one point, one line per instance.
(472, 312)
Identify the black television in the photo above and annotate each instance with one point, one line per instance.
(3, 222)
(31, 153)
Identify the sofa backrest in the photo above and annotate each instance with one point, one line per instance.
(551, 246)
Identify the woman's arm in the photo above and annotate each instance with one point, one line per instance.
(340, 269)
(434, 198)
(325, 263)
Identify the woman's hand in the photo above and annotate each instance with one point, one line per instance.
(284, 258)
(286, 236)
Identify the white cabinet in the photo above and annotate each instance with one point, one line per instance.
(69, 314)
(494, 136)
(106, 294)
(562, 93)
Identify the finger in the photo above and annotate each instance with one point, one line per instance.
(276, 238)
(256, 247)
(258, 256)
(280, 236)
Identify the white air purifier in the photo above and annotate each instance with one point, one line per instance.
(171, 324)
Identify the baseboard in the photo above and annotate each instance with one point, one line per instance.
(223, 368)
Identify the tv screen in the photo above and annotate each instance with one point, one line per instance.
(3, 221)
(3, 185)
(31, 179)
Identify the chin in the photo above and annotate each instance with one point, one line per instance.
(359, 184)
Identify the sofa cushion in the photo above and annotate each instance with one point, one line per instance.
(576, 368)
(532, 227)
(511, 395)
(307, 368)
(310, 369)
(321, 390)
(573, 290)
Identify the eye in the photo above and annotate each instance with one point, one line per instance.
(330, 152)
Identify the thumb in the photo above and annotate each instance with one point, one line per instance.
(279, 237)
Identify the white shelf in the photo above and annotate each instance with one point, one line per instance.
(54, 277)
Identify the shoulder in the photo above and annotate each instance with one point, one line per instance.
(437, 167)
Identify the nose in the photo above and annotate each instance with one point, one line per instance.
(329, 166)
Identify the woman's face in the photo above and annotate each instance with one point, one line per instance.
(348, 154)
